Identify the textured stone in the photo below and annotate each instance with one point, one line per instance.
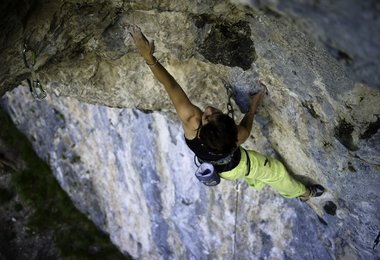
(348, 29)
(131, 171)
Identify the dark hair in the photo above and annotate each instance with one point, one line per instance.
(219, 134)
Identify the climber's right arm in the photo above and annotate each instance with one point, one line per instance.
(189, 114)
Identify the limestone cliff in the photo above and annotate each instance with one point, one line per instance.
(109, 133)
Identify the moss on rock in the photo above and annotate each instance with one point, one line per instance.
(75, 236)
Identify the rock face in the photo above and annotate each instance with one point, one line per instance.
(348, 30)
(110, 135)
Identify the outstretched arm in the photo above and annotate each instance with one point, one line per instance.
(245, 126)
(189, 114)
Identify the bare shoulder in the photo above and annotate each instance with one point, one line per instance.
(191, 126)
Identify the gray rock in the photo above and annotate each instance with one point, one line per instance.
(110, 135)
(347, 28)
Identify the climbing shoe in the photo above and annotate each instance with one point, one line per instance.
(315, 190)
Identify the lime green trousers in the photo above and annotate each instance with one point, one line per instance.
(265, 171)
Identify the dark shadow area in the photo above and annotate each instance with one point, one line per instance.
(330, 208)
(343, 132)
(371, 129)
(227, 43)
(39, 221)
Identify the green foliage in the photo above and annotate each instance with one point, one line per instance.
(75, 235)
(5, 195)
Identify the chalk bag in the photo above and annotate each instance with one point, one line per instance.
(207, 175)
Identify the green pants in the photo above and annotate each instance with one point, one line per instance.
(265, 171)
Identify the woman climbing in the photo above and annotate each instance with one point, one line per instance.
(215, 138)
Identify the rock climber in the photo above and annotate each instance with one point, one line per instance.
(215, 138)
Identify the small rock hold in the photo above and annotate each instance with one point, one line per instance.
(330, 208)
(343, 132)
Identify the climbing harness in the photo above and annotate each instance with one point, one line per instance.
(35, 86)
(206, 172)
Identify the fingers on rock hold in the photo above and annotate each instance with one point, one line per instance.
(133, 29)
(263, 85)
